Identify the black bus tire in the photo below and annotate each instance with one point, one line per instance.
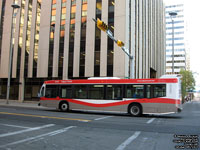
(135, 110)
(64, 106)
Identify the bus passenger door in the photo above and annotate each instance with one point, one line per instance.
(150, 106)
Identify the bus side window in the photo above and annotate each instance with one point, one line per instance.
(66, 91)
(96, 92)
(51, 91)
(159, 90)
(80, 91)
(149, 91)
(114, 92)
(134, 91)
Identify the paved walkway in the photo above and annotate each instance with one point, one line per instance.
(31, 104)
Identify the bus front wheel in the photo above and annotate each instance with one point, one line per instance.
(135, 110)
(64, 106)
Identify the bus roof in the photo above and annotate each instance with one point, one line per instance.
(113, 81)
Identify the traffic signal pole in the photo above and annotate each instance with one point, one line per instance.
(104, 27)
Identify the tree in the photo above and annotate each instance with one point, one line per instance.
(188, 82)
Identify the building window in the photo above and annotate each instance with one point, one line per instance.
(62, 36)
(97, 40)
(36, 44)
(110, 42)
(28, 37)
(83, 38)
(51, 43)
(71, 38)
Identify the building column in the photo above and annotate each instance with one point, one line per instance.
(56, 39)
(43, 51)
(104, 41)
(90, 39)
(120, 58)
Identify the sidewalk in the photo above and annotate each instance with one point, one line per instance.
(16, 103)
(196, 99)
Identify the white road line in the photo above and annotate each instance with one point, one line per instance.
(38, 137)
(26, 130)
(103, 118)
(151, 120)
(15, 126)
(128, 141)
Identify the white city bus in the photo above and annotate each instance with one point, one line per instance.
(135, 96)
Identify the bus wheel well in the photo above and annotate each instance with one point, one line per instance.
(135, 109)
(64, 106)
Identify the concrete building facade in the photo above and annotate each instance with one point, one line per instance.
(57, 39)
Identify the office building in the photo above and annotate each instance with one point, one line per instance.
(179, 38)
(58, 39)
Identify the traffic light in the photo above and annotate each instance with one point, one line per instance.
(102, 25)
(120, 43)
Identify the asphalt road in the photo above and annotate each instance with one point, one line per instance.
(39, 129)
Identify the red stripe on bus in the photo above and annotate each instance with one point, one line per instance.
(125, 102)
(113, 81)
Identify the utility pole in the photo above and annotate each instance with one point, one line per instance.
(172, 14)
(104, 27)
(14, 6)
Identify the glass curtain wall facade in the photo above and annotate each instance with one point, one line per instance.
(58, 39)
(179, 39)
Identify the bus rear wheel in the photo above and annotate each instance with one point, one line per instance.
(135, 110)
(64, 106)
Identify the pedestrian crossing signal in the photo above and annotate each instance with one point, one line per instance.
(120, 43)
(102, 25)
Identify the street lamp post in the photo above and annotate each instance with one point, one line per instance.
(172, 14)
(14, 6)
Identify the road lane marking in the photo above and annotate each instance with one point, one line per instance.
(36, 138)
(103, 118)
(26, 130)
(151, 120)
(128, 141)
(15, 126)
(49, 117)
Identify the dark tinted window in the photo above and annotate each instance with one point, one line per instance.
(80, 91)
(159, 90)
(134, 91)
(96, 92)
(154, 91)
(66, 91)
(114, 92)
(51, 91)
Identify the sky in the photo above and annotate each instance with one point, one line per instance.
(192, 13)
